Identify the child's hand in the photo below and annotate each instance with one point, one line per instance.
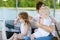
(15, 22)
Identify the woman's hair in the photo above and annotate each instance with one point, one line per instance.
(38, 5)
(25, 17)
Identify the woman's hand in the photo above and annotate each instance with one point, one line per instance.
(39, 23)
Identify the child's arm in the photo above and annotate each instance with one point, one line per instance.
(49, 29)
(15, 21)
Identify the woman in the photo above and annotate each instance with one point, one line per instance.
(40, 5)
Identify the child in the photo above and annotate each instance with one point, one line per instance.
(45, 25)
(25, 27)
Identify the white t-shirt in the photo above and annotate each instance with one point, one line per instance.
(41, 32)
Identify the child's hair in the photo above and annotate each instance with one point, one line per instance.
(45, 10)
(25, 17)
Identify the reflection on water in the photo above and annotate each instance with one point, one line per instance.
(10, 14)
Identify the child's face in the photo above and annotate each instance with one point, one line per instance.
(43, 13)
(20, 19)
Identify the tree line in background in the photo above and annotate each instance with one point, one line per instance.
(28, 3)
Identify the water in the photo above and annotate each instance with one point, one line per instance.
(1, 25)
(11, 14)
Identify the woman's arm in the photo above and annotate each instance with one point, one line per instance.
(49, 29)
(54, 20)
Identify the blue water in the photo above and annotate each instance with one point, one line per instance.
(11, 14)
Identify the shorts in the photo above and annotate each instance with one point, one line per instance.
(45, 38)
(26, 38)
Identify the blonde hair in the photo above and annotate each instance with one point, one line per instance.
(46, 10)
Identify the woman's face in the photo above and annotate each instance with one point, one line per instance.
(41, 7)
(41, 13)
